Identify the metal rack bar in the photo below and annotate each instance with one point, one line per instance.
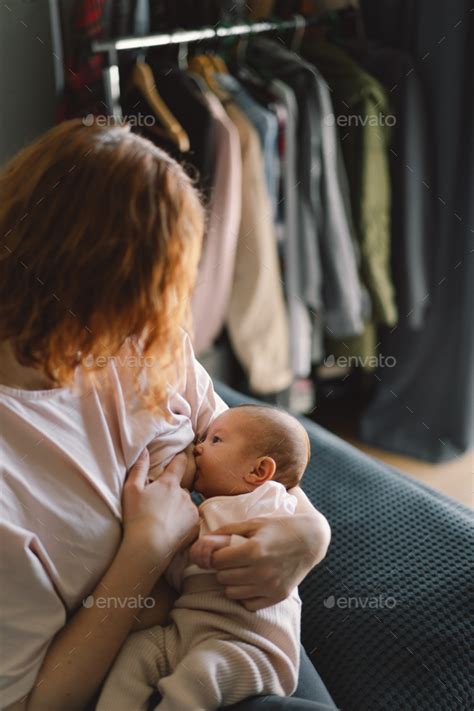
(205, 33)
(112, 47)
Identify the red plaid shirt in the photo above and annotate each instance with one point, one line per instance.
(84, 92)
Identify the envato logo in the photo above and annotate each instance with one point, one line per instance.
(379, 361)
(346, 121)
(126, 361)
(134, 603)
(345, 602)
(107, 121)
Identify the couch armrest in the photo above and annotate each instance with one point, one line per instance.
(385, 614)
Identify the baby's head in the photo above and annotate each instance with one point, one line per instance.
(247, 446)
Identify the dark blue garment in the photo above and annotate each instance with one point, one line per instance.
(423, 406)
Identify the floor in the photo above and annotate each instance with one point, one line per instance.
(455, 478)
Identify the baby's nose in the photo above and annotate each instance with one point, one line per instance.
(198, 449)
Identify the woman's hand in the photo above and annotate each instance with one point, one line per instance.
(190, 472)
(159, 517)
(279, 553)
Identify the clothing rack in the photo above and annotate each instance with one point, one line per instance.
(181, 37)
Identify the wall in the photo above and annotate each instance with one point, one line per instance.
(30, 71)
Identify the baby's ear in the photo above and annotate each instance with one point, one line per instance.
(265, 468)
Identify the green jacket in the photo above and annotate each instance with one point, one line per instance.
(361, 107)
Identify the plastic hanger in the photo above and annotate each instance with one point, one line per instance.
(183, 56)
(246, 73)
(144, 81)
(300, 28)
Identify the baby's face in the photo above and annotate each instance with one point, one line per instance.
(223, 459)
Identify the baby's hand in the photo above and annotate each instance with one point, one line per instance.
(201, 551)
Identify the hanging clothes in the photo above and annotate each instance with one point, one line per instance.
(328, 279)
(257, 320)
(266, 125)
(84, 93)
(423, 406)
(361, 101)
(187, 104)
(261, 8)
(216, 267)
(411, 225)
(190, 14)
(298, 315)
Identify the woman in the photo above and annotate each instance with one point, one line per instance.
(101, 234)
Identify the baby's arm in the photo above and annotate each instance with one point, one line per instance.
(201, 551)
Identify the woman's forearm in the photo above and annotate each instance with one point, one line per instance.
(81, 653)
(315, 530)
(164, 597)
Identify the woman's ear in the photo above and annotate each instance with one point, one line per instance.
(264, 470)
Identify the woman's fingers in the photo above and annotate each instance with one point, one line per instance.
(233, 576)
(234, 556)
(176, 468)
(244, 528)
(139, 472)
(240, 592)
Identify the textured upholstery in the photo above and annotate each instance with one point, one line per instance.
(385, 615)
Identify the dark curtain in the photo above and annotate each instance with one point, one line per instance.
(423, 406)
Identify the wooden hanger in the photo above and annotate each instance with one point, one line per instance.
(219, 65)
(202, 64)
(144, 81)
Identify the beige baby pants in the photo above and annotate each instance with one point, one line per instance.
(214, 653)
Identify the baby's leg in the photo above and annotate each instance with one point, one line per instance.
(218, 673)
(140, 664)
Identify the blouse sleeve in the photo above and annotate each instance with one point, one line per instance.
(199, 392)
(31, 612)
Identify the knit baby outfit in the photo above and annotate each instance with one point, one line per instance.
(215, 652)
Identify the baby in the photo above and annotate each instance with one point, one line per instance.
(215, 652)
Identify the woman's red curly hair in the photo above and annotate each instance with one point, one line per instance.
(100, 238)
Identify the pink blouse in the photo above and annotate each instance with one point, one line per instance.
(65, 455)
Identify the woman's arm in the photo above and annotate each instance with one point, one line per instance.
(164, 597)
(80, 655)
(317, 531)
(82, 652)
(279, 553)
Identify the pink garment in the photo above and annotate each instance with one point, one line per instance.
(213, 654)
(269, 499)
(216, 268)
(64, 458)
